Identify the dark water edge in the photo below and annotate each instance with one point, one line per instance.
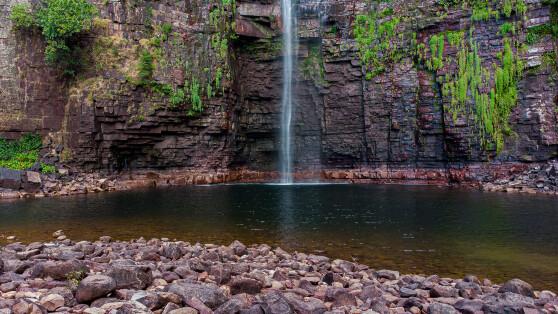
(413, 229)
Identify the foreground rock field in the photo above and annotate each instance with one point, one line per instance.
(162, 276)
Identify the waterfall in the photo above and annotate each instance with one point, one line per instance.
(289, 55)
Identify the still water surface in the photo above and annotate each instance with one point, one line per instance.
(410, 229)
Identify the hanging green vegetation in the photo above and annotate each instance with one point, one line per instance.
(60, 21)
(494, 94)
(437, 44)
(375, 35)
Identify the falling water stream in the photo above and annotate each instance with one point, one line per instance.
(289, 46)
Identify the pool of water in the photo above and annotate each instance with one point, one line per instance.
(412, 229)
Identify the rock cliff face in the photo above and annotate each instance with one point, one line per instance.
(343, 120)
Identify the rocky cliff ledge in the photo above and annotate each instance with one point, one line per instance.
(387, 97)
(163, 276)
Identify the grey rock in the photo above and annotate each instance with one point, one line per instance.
(440, 308)
(128, 275)
(231, 306)
(407, 293)
(149, 299)
(276, 303)
(517, 286)
(439, 291)
(469, 306)
(307, 306)
(209, 294)
(94, 287)
(507, 302)
(387, 274)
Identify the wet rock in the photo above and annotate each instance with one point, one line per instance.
(209, 294)
(94, 287)
(517, 286)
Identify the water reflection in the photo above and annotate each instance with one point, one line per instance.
(412, 229)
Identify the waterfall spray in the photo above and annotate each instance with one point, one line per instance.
(289, 53)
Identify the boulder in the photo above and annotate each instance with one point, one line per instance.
(149, 299)
(468, 290)
(439, 291)
(245, 285)
(125, 307)
(307, 306)
(184, 310)
(340, 297)
(52, 302)
(238, 248)
(209, 294)
(69, 299)
(440, 308)
(128, 275)
(231, 306)
(407, 293)
(24, 306)
(171, 251)
(387, 274)
(58, 270)
(518, 286)
(275, 303)
(102, 301)
(507, 302)
(10, 179)
(94, 287)
(469, 306)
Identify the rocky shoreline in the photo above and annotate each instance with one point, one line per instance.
(536, 178)
(175, 277)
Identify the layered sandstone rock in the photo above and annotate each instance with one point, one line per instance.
(398, 119)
